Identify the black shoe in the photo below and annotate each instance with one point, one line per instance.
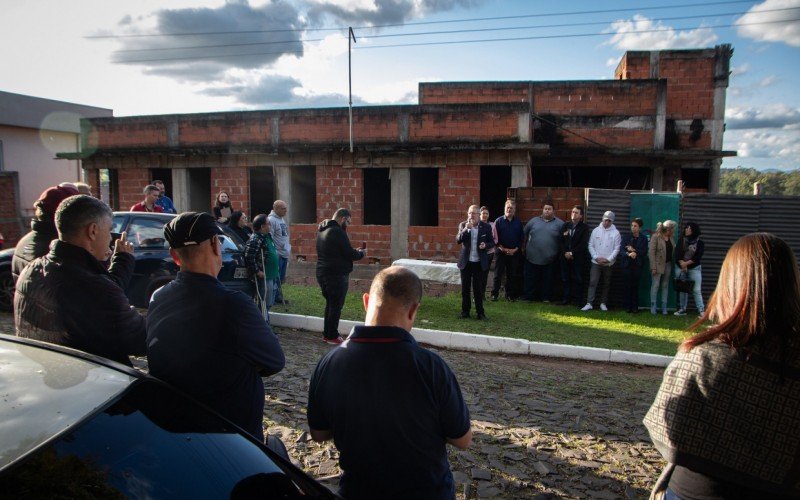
(464, 315)
(481, 317)
(564, 303)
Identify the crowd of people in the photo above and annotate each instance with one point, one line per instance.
(546, 247)
(391, 406)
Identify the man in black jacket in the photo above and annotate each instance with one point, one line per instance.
(475, 238)
(574, 256)
(335, 258)
(43, 228)
(68, 297)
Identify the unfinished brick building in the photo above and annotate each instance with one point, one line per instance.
(416, 168)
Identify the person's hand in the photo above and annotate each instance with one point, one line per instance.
(364, 252)
(601, 260)
(632, 255)
(568, 255)
(122, 245)
(482, 246)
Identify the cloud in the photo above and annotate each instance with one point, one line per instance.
(740, 70)
(275, 30)
(777, 116)
(767, 81)
(612, 62)
(771, 31)
(656, 36)
(377, 12)
(779, 145)
(277, 91)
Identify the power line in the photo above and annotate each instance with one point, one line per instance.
(453, 42)
(423, 23)
(573, 35)
(444, 32)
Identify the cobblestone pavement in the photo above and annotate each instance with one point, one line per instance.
(543, 428)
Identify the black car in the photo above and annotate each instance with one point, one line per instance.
(154, 266)
(73, 425)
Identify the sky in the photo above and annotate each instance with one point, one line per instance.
(189, 56)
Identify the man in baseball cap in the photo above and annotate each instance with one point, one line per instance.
(43, 228)
(206, 339)
(604, 248)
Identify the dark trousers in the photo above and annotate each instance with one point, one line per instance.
(630, 295)
(334, 289)
(507, 265)
(485, 276)
(541, 274)
(472, 276)
(572, 272)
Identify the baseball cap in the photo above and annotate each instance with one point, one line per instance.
(609, 215)
(190, 228)
(51, 197)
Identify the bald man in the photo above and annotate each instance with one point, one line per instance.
(389, 405)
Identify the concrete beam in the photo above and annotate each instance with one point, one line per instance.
(401, 189)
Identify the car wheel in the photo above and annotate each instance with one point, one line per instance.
(6, 290)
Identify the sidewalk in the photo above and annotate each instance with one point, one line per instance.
(486, 343)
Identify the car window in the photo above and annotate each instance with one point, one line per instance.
(156, 443)
(227, 244)
(234, 239)
(44, 392)
(118, 223)
(147, 233)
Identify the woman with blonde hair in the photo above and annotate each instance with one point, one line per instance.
(660, 252)
(725, 417)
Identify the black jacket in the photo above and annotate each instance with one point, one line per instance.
(34, 244)
(68, 298)
(578, 243)
(335, 255)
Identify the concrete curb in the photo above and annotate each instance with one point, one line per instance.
(487, 343)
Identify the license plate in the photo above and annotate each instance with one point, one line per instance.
(240, 273)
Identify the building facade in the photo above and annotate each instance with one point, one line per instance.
(415, 169)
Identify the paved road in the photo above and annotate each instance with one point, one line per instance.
(543, 428)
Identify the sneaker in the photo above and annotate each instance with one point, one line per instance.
(587, 307)
(680, 312)
(603, 307)
(334, 341)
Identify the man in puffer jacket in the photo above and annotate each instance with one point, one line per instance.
(603, 247)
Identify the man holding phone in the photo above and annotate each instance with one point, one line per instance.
(67, 297)
(335, 256)
(475, 238)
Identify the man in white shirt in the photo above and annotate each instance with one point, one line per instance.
(279, 230)
(603, 247)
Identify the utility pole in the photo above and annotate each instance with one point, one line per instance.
(350, 36)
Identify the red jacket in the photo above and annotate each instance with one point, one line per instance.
(140, 207)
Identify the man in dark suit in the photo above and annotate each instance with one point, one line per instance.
(574, 256)
(475, 238)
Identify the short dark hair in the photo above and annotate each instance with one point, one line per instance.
(342, 212)
(156, 181)
(150, 188)
(399, 284)
(695, 228)
(639, 222)
(259, 221)
(548, 203)
(579, 207)
(77, 212)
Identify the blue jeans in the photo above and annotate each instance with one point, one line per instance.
(695, 275)
(282, 263)
(266, 289)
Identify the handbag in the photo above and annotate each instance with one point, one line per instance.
(683, 284)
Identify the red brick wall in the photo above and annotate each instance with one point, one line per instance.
(452, 93)
(235, 182)
(127, 134)
(232, 129)
(339, 187)
(592, 99)
(9, 218)
(378, 238)
(529, 201)
(690, 87)
(459, 126)
(131, 182)
(633, 66)
(433, 243)
(93, 179)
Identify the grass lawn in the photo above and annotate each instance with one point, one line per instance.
(539, 322)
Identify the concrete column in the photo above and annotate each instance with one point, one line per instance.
(519, 176)
(721, 74)
(180, 189)
(401, 189)
(283, 185)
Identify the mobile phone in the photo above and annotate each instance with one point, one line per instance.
(114, 238)
(363, 245)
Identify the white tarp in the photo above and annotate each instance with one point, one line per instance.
(443, 272)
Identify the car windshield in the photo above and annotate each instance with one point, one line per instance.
(147, 233)
(44, 392)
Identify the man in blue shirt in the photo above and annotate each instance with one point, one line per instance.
(205, 339)
(163, 200)
(509, 241)
(389, 405)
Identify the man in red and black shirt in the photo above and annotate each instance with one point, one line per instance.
(389, 405)
(151, 194)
